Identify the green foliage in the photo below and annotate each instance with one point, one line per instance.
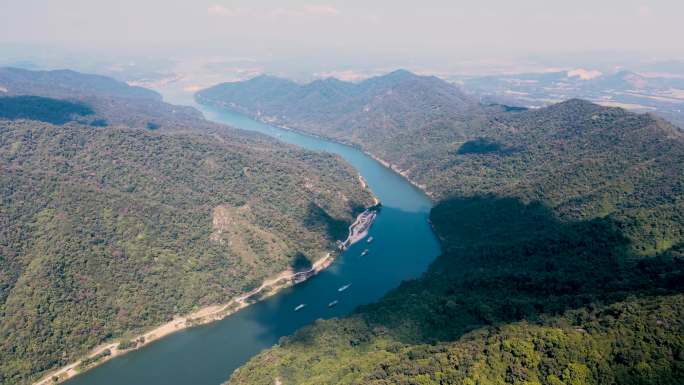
(107, 232)
(392, 116)
(562, 260)
(88, 361)
(517, 297)
(111, 102)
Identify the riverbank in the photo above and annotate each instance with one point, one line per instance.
(403, 241)
(403, 173)
(205, 315)
(202, 316)
(274, 122)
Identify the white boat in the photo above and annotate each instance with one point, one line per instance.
(369, 240)
(333, 303)
(299, 307)
(364, 252)
(343, 288)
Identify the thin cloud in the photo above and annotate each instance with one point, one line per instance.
(321, 10)
(278, 13)
(645, 11)
(220, 10)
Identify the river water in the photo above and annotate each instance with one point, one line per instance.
(403, 247)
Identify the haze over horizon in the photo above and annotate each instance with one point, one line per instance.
(318, 35)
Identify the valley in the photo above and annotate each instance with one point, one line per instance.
(545, 232)
(330, 192)
(554, 220)
(110, 231)
(403, 240)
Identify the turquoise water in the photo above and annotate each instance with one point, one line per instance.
(403, 247)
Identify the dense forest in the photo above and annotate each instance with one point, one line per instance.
(563, 263)
(107, 231)
(400, 117)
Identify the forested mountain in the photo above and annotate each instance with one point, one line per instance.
(580, 159)
(112, 102)
(107, 231)
(563, 263)
(400, 117)
(67, 83)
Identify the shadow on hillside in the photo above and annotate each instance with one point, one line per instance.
(506, 261)
(300, 263)
(317, 217)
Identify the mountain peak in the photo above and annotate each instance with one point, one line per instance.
(400, 74)
(267, 78)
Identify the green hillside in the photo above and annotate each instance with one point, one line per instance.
(108, 231)
(633, 342)
(400, 117)
(112, 102)
(563, 262)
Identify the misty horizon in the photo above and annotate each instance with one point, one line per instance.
(306, 37)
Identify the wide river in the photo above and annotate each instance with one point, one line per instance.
(403, 247)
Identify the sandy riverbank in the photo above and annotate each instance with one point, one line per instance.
(200, 317)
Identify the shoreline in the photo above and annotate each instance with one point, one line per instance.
(202, 316)
(214, 313)
(211, 313)
(265, 120)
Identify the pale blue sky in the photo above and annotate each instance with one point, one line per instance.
(441, 28)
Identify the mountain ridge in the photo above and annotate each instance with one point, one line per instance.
(107, 231)
(554, 222)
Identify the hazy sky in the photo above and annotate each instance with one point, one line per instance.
(328, 29)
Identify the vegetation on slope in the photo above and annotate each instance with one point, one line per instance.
(112, 102)
(446, 141)
(633, 342)
(580, 159)
(108, 231)
(399, 117)
(58, 83)
(517, 297)
(563, 263)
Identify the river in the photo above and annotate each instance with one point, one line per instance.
(403, 247)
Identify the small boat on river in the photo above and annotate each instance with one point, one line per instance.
(343, 288)
(364, 252)
(369, 240)
(299, 307)
(333, 303)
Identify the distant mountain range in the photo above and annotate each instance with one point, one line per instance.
(562, 231)
(399, 117)
(654, 93)
(418, 124)
(67, 83)
(107, 230)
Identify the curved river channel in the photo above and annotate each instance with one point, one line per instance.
(403, 247)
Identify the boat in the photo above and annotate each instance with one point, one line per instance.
(364, 252)
(299, 307)
(343, 288)
(333, 303)
(369, 240)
